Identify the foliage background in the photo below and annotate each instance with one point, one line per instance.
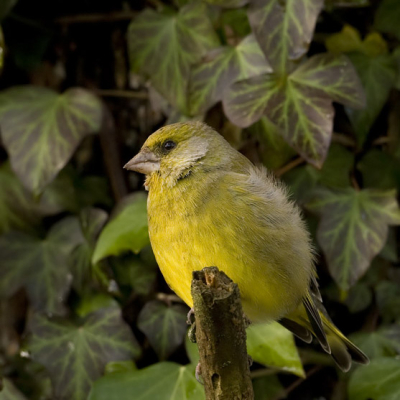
(306, 87)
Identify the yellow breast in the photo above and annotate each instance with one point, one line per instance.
(201, 225)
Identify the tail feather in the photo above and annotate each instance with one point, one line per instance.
(342, 350)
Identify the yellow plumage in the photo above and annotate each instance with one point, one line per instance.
(209, 206)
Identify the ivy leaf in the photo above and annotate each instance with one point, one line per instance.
(220, 68)
(161, 381)
(388, 300)
(164, 45)
(379, 170)
(165, 326)
(136, 273)
(17, 206)
(41, 129)
(332, 76)
(387, 17)
(349, 40)
(272, 345)
(267, 388)
(75, 355)
(378, 75)
(10, 392)
(70, 191)
(337, 167)
(300, 105)
(284, 30)
(380, 380)
(40, 265)
(359, 297)
(382, 343)
(228, 3)
(275, 152)
(302, 182)
(127, 229)
(91, 221)
(353, 229)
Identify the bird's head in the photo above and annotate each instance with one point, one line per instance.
(177, 150)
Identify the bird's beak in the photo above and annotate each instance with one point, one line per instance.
(144, 162)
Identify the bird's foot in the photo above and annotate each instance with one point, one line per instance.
(249, 360)
(190, 317)
(198, 374)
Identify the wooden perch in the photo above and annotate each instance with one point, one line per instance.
(221, 336)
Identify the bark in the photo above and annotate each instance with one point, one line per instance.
(221, 336)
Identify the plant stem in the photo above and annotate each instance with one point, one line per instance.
(221, 336)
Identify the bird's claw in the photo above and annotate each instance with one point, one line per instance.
(190, 317)
(198, 374)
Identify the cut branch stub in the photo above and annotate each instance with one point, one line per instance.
(221, 336)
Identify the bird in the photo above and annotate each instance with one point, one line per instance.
(209, 205)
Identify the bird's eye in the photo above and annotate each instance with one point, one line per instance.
(169, 145)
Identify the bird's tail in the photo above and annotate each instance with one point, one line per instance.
(311, 318)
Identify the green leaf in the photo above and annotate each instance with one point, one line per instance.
(126, 230)
(75, 355)
(387, 17)
(380, 380)
(274, 150)
(228, 3)
(272, 345)
(161, 381)
(267, 388)
(165, 326)
(6, 6)
(388, 300)
(90, 302)
(40, 265)
(70, 191)
(382, 343)
(302, 181)
(219, 68)
(284, 30)
(359, 297)
(119, 366)
(17, 206)
(333, 76)
(91, 221)
(164, 45)
(136, 273)
(236, 20)
(349, 40)
(192, 350)
(379, 170)
(301, 105)
(337, 167)
(353, 229)
(41, 129)
(378, 75)
(10, 392)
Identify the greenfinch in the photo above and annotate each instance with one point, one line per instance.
(208, 205)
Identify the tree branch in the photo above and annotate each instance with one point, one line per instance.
(221, 336)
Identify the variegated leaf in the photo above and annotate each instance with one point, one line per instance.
(378, 76)
(300, 105)
(353, 229)
(75, 354)
(41, 266)
(220, 68)
(333, 76)
(41, 129)
(284, 29)
(164, 45)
